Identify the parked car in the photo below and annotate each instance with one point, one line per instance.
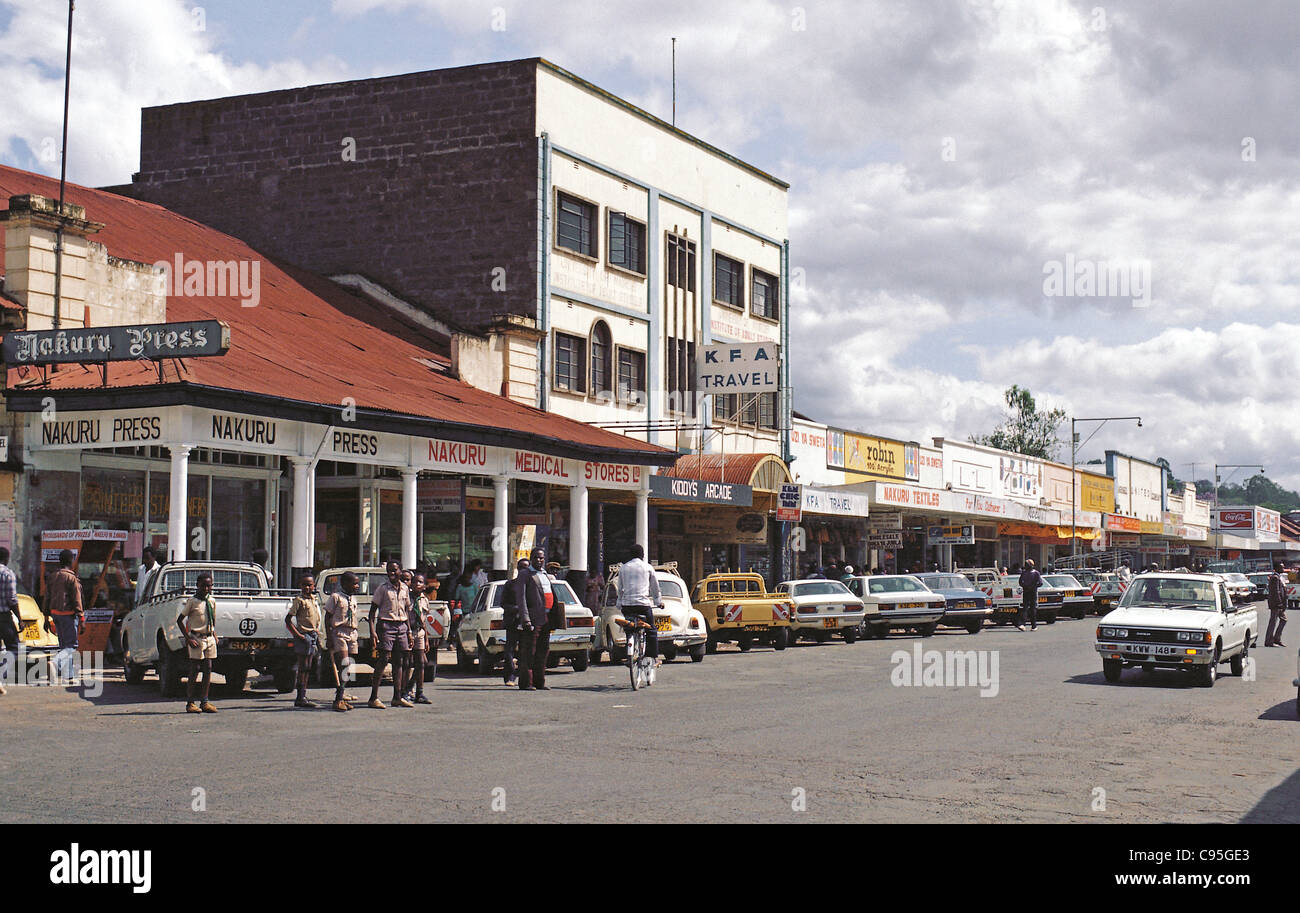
(1106, 591)
(1177, 621)
(250, 628)
(893, 601)
(737, 608)
(1007, 596)
(964, 605)
(822, 608)
(32, 633)
(1259, 585)
(482, 639)
(680, 627)
(1239, 587)
(1076, 599)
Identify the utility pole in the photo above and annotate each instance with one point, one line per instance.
(674, 82)
(63, 175)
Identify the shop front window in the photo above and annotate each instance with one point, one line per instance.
(196, 517)
(159, 505)
(238, 518)
(390, 525)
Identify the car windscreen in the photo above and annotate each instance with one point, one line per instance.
(670, 589)
(563, 594)
(880, 585)
(1062, 580)
(948, 582)
(1170, 592)
(819, 588)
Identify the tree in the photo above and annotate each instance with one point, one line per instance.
(1026, 429)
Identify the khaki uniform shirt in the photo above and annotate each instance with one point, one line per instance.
(195, 614)
(393, 603)
(306, 614)
(341, 612)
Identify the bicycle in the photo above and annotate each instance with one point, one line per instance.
(641, 668)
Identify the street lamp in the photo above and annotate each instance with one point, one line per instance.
(1074, 450)
(1214, 521)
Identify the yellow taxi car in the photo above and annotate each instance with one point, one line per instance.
(32, 633)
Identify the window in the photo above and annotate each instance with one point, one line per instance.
(602, 359)
(724, 406)
(570, 363)
(681, 263)
(626, 243)
(631, 377)
(765, 296)
(681, 377)
(748, 408)
(576, 225)
(767, 410)
(728, 281)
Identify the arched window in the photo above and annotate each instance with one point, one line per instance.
(602, 359)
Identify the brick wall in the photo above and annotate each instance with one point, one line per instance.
(442, 192)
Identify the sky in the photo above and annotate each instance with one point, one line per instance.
(959, 171)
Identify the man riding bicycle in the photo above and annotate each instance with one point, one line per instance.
(638, 596)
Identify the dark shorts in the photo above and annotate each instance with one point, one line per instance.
(394, 636)
(8, 633)
(305, 646)
(66, 628)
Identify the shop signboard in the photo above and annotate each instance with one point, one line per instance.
(734, 527)
(1264, 523)
(1125, 540)
(440, 496)
(871, 456)
(1119, 523)
(95, 345)
(747, 367)
(1139, 486)
(950, 535)
(808, 450)
(1096, 492)
(243, 433)
(834, 503)
(60, 430)
(614, 476)
(929, 462)
(698, 490)
(1020, 477)
(789, 502)
(886, 521)
(97, 555)
(885, 539)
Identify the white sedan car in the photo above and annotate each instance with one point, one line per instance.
(680, 626)
(897, 601)
(822, 608)
(482, 639)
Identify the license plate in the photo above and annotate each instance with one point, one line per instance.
(830, 623)
(1107, 601)
(912, 605)
(966, 604)
(247, 646)
(663, 624)
(31, 631)
(755, 628)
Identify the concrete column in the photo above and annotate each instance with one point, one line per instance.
(501, 527)
(300, 534)
(409, 519)
(578, 522)
(643, 517)
(177, 534)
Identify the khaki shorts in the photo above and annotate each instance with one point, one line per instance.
(207, 648)
(345, 646)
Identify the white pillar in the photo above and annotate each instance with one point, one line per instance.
(177, 535)
(643, 517)
(409, 518)
(501, 525)
(300, 541)
(578, 526)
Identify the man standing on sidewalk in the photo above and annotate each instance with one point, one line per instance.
(10, 620)
(390, 605)
(1030, 581)
(63, 606)
(1276, 607)
(198, 624)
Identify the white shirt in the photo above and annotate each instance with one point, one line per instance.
(142, 577)
(637, 584)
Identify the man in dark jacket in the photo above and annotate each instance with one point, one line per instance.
(510, 615)
(529, 596)
(1030, 581)
(1276, 607)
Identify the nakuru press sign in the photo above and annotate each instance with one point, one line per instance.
(189, 339)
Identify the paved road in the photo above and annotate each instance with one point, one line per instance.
(730, 739)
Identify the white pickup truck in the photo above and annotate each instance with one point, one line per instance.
(250, 626)
(1177, 621)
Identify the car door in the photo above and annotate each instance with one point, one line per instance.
(1233, 621)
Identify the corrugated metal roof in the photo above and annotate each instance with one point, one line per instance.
(734, 468)
(307, 341)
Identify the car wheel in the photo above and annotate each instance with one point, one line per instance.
(1206, 675)
(1239, 661)
(974, 627)
(580, 661)
(669, 651)
(711, 645)
(698, 651)
(485, 661)
(134, 672)
(464, 662)
(1049, 619)
(236, 679)
(552, 661)
(850, 635)
(1111, 669)
(780, 638)
(171, 667)
(284, 679)
(745, 641)
(927, 630)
